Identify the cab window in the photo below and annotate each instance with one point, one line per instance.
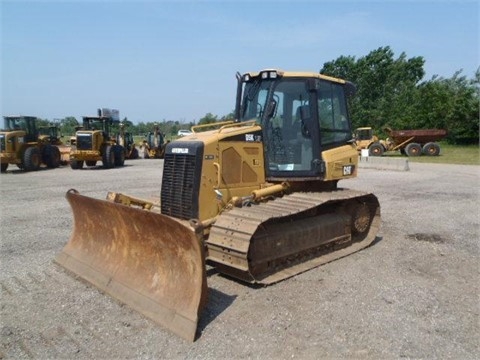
(332, 114)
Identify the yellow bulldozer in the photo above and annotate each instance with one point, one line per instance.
(256, 198)
(22, 144)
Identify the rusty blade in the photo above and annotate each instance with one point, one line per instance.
(146, 260)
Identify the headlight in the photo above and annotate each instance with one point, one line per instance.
(269, 74)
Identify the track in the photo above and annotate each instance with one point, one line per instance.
(272, 241)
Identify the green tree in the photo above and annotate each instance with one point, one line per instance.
(42, 122)
(68, 125)
(229, 116)
(127, 123)
(209, 118)
(390, 92)
(452, 104)
(385, 85)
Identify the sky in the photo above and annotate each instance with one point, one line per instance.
(177, 60)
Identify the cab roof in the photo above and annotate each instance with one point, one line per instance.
(302, 74)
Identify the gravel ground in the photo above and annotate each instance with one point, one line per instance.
(413, 294)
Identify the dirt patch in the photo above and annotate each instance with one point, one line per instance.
(432, 238)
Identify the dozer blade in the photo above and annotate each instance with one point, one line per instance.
(148, 261)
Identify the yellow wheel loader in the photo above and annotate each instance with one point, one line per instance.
(23, 145)
(93, 142)
(257, 198)
(49, 135)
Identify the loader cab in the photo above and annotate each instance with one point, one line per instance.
(99, 123)
(95, 123)
(301, 114)
(22, 123)
(155, 139)
(94, 132)
(48, 134)
(363, 133)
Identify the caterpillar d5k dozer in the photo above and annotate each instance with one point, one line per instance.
(256, 198)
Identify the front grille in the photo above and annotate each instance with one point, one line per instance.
(181, 179)
(84, 141)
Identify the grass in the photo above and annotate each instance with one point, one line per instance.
(449, 154)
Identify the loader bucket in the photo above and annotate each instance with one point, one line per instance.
(64, 154)
(148, 261)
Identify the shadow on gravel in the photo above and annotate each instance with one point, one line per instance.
(217, 303)
(100, 167)
(376, 241)
(16, 171)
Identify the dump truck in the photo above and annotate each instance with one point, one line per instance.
(256, 198)
(22, 145)
(408, 142)
(93, 142)
(153, 146)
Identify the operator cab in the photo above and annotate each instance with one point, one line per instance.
(25, 123)
(301, 115)
(365, 133)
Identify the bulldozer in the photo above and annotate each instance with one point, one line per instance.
(257, 198)
(23, 145)
(93, 142)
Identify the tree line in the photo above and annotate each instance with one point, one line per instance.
(390, 92)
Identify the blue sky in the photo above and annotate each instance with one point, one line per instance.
(176, 60)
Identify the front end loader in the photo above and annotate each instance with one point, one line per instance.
(257, 198)
(23, 145)
(93, 142)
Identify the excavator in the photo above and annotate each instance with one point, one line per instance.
(257, 198)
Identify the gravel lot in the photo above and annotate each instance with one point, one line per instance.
(413, 294)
